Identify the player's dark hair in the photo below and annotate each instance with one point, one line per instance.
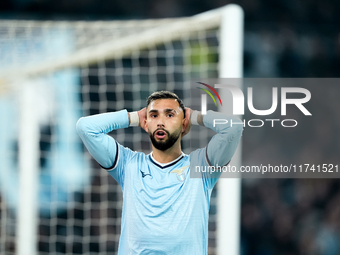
(164, 94)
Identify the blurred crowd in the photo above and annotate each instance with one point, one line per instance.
(287, 52)
(293, 216)
(286, 217)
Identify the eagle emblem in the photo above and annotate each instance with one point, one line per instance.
(180, 174)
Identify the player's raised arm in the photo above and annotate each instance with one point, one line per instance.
(223, 145)
(93, 132)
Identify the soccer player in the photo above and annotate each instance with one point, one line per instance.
(164, 210)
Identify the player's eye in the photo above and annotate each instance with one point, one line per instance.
(170, 115)
(153, 115)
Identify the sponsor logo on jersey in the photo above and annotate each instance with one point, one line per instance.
(144, 174)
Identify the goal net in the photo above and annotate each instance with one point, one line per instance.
(51, 74)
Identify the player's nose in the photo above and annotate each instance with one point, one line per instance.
(160, 122)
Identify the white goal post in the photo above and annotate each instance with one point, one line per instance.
(99, 54)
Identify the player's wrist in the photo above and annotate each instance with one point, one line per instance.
(196, 118)
(200, 119)
(193, 117)
(133, 119)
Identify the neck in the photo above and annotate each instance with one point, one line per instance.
(167, 155)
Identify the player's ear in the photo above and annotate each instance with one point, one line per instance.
(185, 124)
(145, 127)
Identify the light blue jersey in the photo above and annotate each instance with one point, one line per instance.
(164, 210)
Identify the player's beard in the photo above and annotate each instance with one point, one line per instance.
(163, 145)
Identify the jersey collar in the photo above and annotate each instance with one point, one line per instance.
(165, 165)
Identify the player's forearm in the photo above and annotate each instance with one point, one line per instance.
(103, 123)
(229, 130)
(93, 132)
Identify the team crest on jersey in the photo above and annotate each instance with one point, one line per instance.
(180, 174)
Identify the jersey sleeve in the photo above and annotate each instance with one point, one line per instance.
(198, 167)
(103, 148)
(220, 148)
(123, 156)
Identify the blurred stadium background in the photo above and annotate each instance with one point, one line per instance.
(79, 204)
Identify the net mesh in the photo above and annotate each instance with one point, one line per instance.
(83, 217)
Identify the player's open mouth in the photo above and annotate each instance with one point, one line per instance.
(160, 134)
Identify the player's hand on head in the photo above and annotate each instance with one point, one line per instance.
(187, 122)
(142, 117)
